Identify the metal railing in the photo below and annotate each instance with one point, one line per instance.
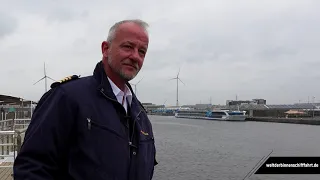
(11, 137)
(12, 124)
(19, 138)
(7, 147)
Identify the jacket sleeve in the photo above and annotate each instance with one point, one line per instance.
(45, 145)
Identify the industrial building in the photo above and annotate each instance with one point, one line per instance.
(150, 107)
(240, 102)
(278, 110)
(15, 107)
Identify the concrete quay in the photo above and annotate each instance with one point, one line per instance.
(307, 121)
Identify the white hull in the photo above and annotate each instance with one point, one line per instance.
(226, 117)
(230, 118)
(237, 118)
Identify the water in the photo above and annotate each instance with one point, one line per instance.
(204, 150)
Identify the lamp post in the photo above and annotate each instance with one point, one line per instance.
(313, 107)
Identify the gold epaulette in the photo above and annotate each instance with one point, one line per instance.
(64, 80)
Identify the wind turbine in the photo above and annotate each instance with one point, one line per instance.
(45, 78)
(164, 104)
(135, 86)
(178, 79)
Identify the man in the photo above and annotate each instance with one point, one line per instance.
(94, 127)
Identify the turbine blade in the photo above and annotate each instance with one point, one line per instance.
(140, 80)
(44, 69)
(39, 80)
(178, 73)
(182, 82)
(51, 78)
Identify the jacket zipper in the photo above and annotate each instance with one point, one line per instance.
(101, 90)
(89, 123)
(134, 124)
(131, 139)
(130, 142)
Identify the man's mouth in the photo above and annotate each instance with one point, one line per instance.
(131, 66)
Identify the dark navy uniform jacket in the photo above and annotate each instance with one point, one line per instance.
(78, 132)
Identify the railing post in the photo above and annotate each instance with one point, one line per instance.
(13, 123)
(19, 142)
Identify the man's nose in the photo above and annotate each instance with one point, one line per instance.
(135, 55)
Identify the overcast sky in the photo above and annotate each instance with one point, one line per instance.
(253, 49)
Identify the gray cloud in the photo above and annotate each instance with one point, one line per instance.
(8, 25)
(65, 15)
(276, 52)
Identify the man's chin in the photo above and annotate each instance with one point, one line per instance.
(128, 77)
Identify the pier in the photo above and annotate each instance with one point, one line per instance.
(307, 121)
(11, 137)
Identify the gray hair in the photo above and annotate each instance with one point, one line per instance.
(114, 28)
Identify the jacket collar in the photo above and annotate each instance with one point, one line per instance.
(104, 87)
(103, 84)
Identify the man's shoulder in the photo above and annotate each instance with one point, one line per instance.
(71, 82)
(65, 80)
(68, 88)
(74, 86)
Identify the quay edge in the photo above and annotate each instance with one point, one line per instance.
(307, 121)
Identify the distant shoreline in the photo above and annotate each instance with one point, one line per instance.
(306, 121)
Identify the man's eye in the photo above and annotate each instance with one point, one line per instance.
(127, 46)
(142, 52)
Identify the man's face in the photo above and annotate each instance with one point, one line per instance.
(126, 53)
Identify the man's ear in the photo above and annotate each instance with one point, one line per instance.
(104, 48)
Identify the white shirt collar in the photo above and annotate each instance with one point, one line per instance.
(119, 93)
